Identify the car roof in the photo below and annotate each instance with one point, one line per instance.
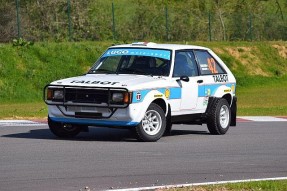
(159, 46)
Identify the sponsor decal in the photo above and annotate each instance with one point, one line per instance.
(220, 78)
(118, 52)
(233, 88)
(208, 92)
(204, 67)
(205, 101)
(93, 82)
(157, 95)
(228, 90)
(167, 93)
(138, 96)
(212, 65)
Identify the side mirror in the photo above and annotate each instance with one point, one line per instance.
(184, 78)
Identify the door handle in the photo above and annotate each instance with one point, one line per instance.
(199, 81)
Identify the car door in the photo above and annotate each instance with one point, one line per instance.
(186, 74)
(209, 70)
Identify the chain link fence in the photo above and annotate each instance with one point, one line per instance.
(62, 20)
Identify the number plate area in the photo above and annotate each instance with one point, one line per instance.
(87, 109)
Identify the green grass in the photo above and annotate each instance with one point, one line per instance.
(23, 111)
(25, 71)
(280, 185)
(263, 96)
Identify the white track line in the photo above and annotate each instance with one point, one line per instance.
(197, 184)
(263, 118)
(19, 123)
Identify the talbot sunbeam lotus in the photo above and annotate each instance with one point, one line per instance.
(145, 87)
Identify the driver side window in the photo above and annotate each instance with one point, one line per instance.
(185, 64)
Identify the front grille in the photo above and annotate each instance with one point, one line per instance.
(85, 96)
(95, 96)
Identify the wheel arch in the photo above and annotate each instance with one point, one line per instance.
(156, 97)
(161, 102)
(228, 97)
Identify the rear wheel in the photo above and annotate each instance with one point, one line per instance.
(63, 130)
(153, 125)
(219, 117)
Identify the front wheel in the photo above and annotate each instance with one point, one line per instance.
(153, 125)
(63, 130)
(218, 121)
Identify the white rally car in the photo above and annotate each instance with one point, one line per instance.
(146, 87)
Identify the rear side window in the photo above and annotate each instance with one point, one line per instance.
(207, 64)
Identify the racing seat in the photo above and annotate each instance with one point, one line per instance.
(140, 63)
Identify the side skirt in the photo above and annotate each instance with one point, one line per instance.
(195, 119)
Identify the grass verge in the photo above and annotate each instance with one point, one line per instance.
(23, 111)
(263, 96)
(278, 185)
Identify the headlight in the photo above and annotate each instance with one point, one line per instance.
(55, 94)
(121, 97)
(117, 97)
(58, 94)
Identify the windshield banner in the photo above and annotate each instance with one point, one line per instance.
(165, 54)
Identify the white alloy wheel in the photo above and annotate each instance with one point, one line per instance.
(152, 122)
(224, 116)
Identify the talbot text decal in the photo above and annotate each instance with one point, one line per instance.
(221, 78)
(93, 82)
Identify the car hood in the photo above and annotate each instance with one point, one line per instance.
(131, 82)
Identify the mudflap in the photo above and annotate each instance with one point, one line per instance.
(233, 111)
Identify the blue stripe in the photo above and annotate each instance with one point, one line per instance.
(209, 90)
(94, 122)
(165, 54)
(139, 96)
(175, 93)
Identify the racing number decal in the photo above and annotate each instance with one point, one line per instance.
(212, 65)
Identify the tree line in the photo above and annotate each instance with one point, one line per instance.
(128, 20)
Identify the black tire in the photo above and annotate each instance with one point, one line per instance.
(168, 127)
(63, 130)
(218, 121)
(151, 130)
(233, 112)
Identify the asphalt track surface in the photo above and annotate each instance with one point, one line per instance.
(33, 159)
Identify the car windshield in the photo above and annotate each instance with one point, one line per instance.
(144, 61)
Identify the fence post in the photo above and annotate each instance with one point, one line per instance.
(113, 17)
(166, 22)
(18, 19)
(209, 26)
(69, 19)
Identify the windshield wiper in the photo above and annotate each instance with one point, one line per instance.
(101, 71)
